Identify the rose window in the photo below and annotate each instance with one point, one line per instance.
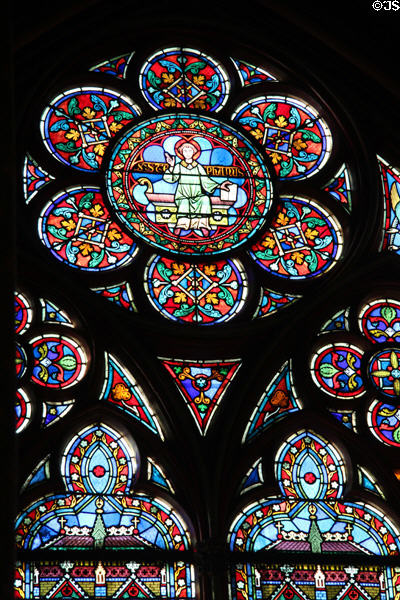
(201, 183)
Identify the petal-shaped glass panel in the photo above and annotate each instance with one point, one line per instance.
(78, 230)
(304, 240)
(196, 293)
(184, 78)
(78, 125)
(292, 132)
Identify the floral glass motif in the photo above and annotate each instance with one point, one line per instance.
(120, 294)
(312, 582)
(121, 390)
(103, 579)
(278, 400)
(336, 368)
(23, 410)
(202, 384)
(58, 361)
(77, 229)
(295, 137)
(384, 422)
(22, 313)
(196, 293)
(78, 125)
(250, 75)
(340, 187)
(390, 178)
(271, 302)
(384, 371)
(33, 178)
(188, 184)
(98, 509)
(117, 67)
(303, 241)
(380, 321)
(311, 513)
(184, 78)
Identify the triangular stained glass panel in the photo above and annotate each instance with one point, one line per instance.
(368, 482)
(121, 389)
(271, 301)
(339, 322)
(253, 477)
(202, 384)
(34, 177)
(117, 66)
(134, 588)
(52, 411)
(52, 314)
(156, 475)
(250, 75)
(40, 473)
(120, 294)
(346, 418)
(353, 591)
(287, 591)
(278, 400)
(339, 187)
(67, 589)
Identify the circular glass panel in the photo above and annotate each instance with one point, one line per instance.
(189, 184)
(384, 371)
(58, 361)
(336, 369)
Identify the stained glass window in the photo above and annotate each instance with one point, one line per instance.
(207, 326)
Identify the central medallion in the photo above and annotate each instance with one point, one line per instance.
(189, 184)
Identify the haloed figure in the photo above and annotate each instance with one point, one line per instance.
(192, 195)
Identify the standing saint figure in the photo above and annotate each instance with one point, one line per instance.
(192, 195)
